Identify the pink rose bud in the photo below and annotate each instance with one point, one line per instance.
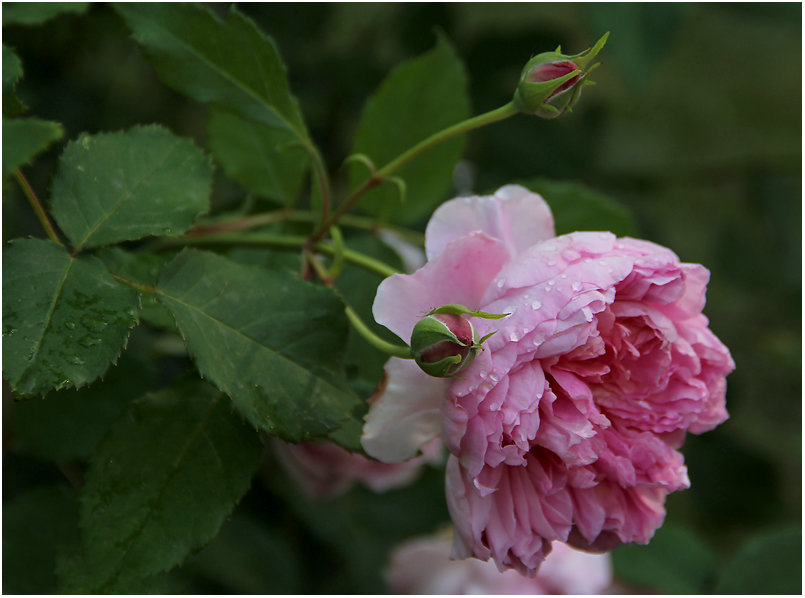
(555, 70)
(551, 82)
(443, 344)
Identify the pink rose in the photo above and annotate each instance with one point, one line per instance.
(423, 566)
(325, 470)
(566, 426)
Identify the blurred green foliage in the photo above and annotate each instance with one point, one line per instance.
(695, 126)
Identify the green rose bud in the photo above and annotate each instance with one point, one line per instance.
(551, 82)
(445, 342)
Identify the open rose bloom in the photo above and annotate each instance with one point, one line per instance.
(566, 426)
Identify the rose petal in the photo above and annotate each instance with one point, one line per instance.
(406, 415)
(459, 275)
(514, 215)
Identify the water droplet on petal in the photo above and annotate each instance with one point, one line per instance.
(576, 286)
(536, 304)
(500, 283)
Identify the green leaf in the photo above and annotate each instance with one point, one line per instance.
(65, 319)
(576, 207)
(122, 186)
(36, 13)
(362, 527)
(24, 138)
(248, 557)
(262, 257)
(162, 482)
(230, 64)
(674, 562)
(12, 72)
(271, 341)
(37, 524)
(143, 268)
(419, 98)
(364, 363)
(261, 158)
(770, 564)
(68, 425)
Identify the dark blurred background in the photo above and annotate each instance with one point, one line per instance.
(695, 126)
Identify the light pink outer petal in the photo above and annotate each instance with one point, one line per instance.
(406, 415)
(459, 275)
(423, 566)
(325, 470)
(570, 571)
(515, 215)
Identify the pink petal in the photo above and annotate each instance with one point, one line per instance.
(407, 413)
(514, 215)
(460, 275)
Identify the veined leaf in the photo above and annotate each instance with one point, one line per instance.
(162, 482)
(65, 319)
(364, 363)
(36, 13)
(37, 524)
(143, 268)
(24, 138)
(271, 341)
(770, 563)
(261, 158)
(68, 425)
(248, 557)
(122, 186)
(12, 72)
(577, 207)
(674, 562)
(230, 64)
(419, 98)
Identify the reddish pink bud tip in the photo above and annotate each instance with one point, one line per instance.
(554, 70)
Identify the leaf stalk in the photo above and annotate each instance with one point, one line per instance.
(39, 209)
